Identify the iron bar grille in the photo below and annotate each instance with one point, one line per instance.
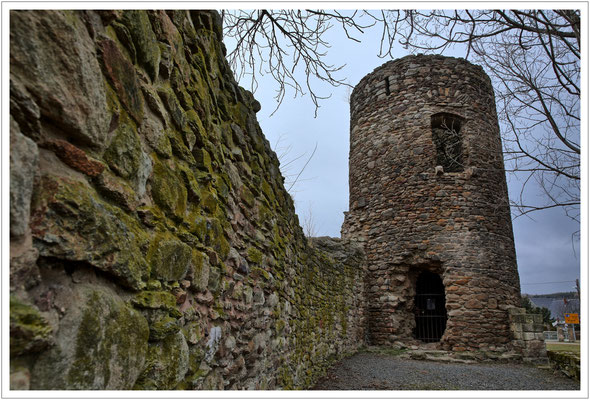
(429, 308)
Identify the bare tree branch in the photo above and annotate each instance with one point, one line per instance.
(532, 56)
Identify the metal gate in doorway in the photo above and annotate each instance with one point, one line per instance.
(429, 308)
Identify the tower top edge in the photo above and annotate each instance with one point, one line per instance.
(414, 61)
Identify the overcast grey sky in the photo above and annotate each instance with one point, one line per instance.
(548, 256)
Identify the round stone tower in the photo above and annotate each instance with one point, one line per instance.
(428, 197)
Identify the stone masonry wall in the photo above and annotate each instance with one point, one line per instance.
(413, 216)
(527, 332)
(152, 242)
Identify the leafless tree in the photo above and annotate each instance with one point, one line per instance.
(308, 224)
(532, 56)
(283, 42)
(289, 168)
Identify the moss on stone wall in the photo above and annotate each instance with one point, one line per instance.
(184, 247)
(29, 331)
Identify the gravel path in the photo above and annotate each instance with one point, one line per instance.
(370, 371)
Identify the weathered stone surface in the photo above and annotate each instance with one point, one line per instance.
(30, 332)
(124, 152)
(117, 190)
(168, 190)
(74, 157)
(200, 271)
(166, 364)
(71, 222)
(127, 158)
(23, 166)
(162, 326)
(101, 344)
(417, 208)
(144, 39)
(213, 342)
(24, 272)
(173, 106)
(64, 80)
(169, 256)
(20, 380)
(24, 110)
(192, 332)
(526, 335)
(154, 300)
(172, 41)
(121, 74)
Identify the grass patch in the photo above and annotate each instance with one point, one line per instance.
(563, 347)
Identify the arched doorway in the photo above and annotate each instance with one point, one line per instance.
(429, 308)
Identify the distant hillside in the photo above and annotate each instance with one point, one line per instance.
(555, 305)
(558, 295)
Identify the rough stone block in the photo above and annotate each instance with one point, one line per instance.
(529, 336)
(30, 332)
(101, 344)
(23, 166)
(516, 311)
(71, 222)
(64, 80)
(519, 319)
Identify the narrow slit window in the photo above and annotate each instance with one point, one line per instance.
(448, 141)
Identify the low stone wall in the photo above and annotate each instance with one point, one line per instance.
(152, 242)
(567, 363)
(527, 333)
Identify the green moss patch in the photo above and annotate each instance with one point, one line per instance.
(144, 39)
(168, 190)
(124, 153)
(166, 364)
(162, 327)
(203, 159)
(110, 334)
(169, 258)
(254, 255)
(72, 222)
(215, 238)
(30, 332)
(154, 300)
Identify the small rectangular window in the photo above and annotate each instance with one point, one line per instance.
(447, 139)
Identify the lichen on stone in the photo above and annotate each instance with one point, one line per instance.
(154, 300)
(166, 364)
(89, 230)
(124, 152)
(101, 345)
(169, 258)
(30, 332)
(144, 39)
(185, 268)
(168, 189)
(254, 255)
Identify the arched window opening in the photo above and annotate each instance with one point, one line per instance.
(448, 141)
